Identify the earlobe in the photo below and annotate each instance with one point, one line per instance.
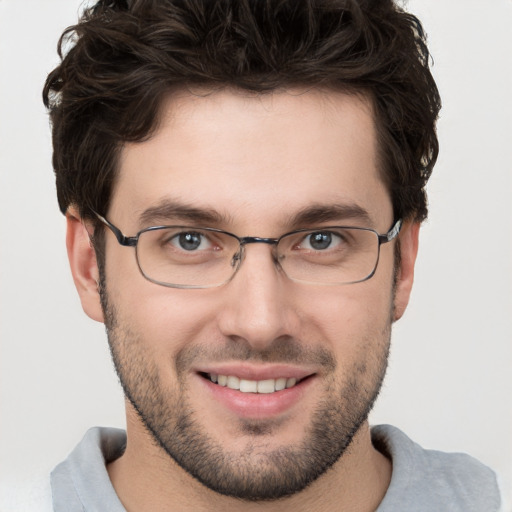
(82, 260)
(409, 239)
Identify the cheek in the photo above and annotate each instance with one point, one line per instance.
(348, 318)
(358, 330)
(164, 320)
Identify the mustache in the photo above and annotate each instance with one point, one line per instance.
(282, 350)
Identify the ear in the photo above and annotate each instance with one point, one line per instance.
(82, 260)
(409, 236)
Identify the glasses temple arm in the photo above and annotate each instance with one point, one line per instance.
(128, 241)
(392, 233)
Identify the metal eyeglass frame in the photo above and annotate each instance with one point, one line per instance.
(132, 241)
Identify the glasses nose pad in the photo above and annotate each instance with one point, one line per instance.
(237, 259)
(277, 257)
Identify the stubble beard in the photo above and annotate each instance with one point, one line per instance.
(258, 473)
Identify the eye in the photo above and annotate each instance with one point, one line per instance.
(190, 241)
(321, 240)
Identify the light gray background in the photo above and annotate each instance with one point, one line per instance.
(449, 384)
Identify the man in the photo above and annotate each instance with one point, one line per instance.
(243, 184)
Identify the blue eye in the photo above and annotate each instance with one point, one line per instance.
(190, 241)
(321, 240)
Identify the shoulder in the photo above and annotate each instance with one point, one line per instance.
(81, 481)
(429, 480)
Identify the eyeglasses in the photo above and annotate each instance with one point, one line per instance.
(195, 257)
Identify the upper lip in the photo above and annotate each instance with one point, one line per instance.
(256, 372)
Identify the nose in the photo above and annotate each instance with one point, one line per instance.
(257, 303)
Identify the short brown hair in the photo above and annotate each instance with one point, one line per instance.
(124, 56)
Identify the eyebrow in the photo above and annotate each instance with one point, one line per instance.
(320, 213)
(168, 210)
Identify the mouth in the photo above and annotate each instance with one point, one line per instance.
(257, 393)
(266, 386)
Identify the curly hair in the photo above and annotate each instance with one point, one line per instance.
(123, 57)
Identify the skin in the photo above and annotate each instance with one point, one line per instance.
(256, 161)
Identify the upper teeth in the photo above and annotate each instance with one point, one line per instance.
(253, 386)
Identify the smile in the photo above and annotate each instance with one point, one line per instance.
(252, 386)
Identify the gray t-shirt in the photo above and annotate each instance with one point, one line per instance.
(422, 480)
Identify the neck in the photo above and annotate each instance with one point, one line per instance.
(146, 478)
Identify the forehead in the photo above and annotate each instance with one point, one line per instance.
(254, 157)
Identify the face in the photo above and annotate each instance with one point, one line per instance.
(253, 166)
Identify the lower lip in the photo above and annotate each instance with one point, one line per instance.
(257, 405)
